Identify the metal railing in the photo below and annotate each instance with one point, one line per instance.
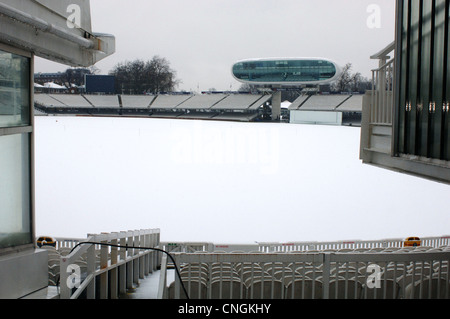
(394, 275)
(382, 97)
(320, 270)
(192, 247)
(108, 267)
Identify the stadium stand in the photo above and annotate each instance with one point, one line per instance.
(224, 106)
(211, 106)
(71, 100)
(137, 101)
(353, 104)
(168, 101)
(202, 102)
(103, 101)
(327, 109)
(237, 102)
(323, 102)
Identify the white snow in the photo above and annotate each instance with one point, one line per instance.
(223, 182)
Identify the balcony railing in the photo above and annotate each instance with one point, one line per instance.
(382, 97)
(393, 272)
(108, 268)
(378, 108)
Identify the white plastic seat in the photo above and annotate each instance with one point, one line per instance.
(389, 289)
(196, 289)
(303, 289)
(344, 289)
(227, 288)
(265, 288)
(421, 289)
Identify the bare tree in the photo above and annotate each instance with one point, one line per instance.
(74, 76)
(349, 82)
(139, 77)
(345, 80)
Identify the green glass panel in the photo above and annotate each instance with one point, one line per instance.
(14, 90)
(446, 135)
(435, 107)
(413, 51)
(404, 62)
(15, 211)
(284, 71)
(424, 81)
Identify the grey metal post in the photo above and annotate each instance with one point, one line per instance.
(276, 105)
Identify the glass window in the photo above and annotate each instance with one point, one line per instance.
(285, 71)
(404, 65)
(437, 81)
(424, 55)
(425, 75)
(446, 135)
(15, 210)
(15, 151)
(413, 48)
(14, 90)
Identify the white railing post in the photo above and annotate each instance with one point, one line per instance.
(65, 288)
(129, 262)
(114, 272)
(147, 253)
(91, 267)
(104, 275)
(123, 267)
(143, 254)
(162, 288)
(135, 259)
(326, 275)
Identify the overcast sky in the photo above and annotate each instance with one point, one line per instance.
(203, 38)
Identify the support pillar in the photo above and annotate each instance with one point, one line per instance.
(276, 106)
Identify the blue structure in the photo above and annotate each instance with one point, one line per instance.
(100, 84)
(286, 71)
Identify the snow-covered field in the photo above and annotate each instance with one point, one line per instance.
(223, 182)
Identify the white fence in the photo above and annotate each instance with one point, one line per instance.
(382, 270)
(382, 102)
(312, 246)
(105, 265)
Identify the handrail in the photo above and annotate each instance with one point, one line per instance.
(384, 52)
(163, 279)
(382, 93)
(384, 65)
(106, 259)
(189, 247)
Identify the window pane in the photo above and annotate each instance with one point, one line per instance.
(437, 81)
(404, 64)
(14, 90)
(410, 123)
(425, 75)
(446, 134)
(15, 212)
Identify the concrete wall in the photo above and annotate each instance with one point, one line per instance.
(315, 117)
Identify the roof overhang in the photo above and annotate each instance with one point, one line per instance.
(56, 30)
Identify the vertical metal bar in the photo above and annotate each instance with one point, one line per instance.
(136, 260)
(114, 271)
(326, 275)
(104, 275)
(90, 254)
(123, 268)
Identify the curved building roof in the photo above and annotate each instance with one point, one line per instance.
(286, 71)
